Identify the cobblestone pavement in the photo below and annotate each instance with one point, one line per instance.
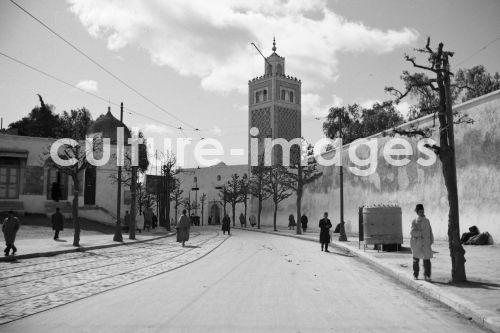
(34, 285)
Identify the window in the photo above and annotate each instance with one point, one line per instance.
(257, 97)
(279, 69)
(9, 178)
(269, 69)
(195, 179)
(283, 95)
(218, 178)
(291, 96)
(265, 95)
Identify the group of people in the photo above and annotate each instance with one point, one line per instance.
(421, 232)
(149, 221)
(292, 224)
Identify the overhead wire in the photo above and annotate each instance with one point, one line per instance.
(102, 67)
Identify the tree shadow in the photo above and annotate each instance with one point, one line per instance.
(341, 254)
(61, 240)
(470, 284)
(191, 246)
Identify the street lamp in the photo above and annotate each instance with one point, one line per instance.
(342, 236)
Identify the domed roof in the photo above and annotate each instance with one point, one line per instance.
(107, 125)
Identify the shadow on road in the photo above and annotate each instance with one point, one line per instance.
(192, 246)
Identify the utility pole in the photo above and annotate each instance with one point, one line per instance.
(118, 230)
(342, 236)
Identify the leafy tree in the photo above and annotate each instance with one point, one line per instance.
(476, 82)
(440, 67)
(74, 124)
(40, 122)
(277, 184)
(358, 122)
(302, 173)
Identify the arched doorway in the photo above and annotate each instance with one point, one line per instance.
(215, 213)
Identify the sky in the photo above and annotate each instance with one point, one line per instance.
(192, 60)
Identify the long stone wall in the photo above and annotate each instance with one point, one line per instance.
(478, 161)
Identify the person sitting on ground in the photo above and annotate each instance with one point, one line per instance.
(473, 231)
(57, 223)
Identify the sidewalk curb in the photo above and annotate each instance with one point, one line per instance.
(78, 249)
(485, 318)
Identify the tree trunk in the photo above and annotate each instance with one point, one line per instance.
(246, 205)
(74, 212)
(133, 207)
(233, 206)
(259, 212)
(274, 217)
(167, 203)
(299, 198)
(457, 251)
(202, 205)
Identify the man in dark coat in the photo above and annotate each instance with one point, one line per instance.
(57, 223)
(226, 225)
(126, 221)
(324, 234)
(9, 228)
(303, 221)
(183, 227)
(243, 221)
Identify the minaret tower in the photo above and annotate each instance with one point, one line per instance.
(274, 101)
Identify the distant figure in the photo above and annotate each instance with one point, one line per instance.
(253, 220)
(57, 223)
(291, 222)
(473, 231)
(55, 192)
(183, 228)
(126, 221)
(148, 218)
(226, 225)
(154, 221)
(9, 228)
(243, 221)
(421, 240)
(139, 223)
(303, 222)
(324, 235)
(209, 220)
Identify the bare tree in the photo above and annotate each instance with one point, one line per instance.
(256, 186)
(277, 184)
(440, 67)
(231, 193)
(300, 174)
(176, 196)
(74, 157)
(203, 198)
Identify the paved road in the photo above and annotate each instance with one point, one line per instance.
(254, 282)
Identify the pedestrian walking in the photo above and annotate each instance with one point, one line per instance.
(291, 222)
(243, 221)
(252, 220)
(420, 242)
(183, 228)
(126, 221)
(57, 223)
(209, 220)
(154, 221)
(303, 222)
(226, 225)
(324, 235)
(148, 218)
(9, 228)
(139, 223)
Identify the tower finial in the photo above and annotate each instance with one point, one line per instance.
(274, 44)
